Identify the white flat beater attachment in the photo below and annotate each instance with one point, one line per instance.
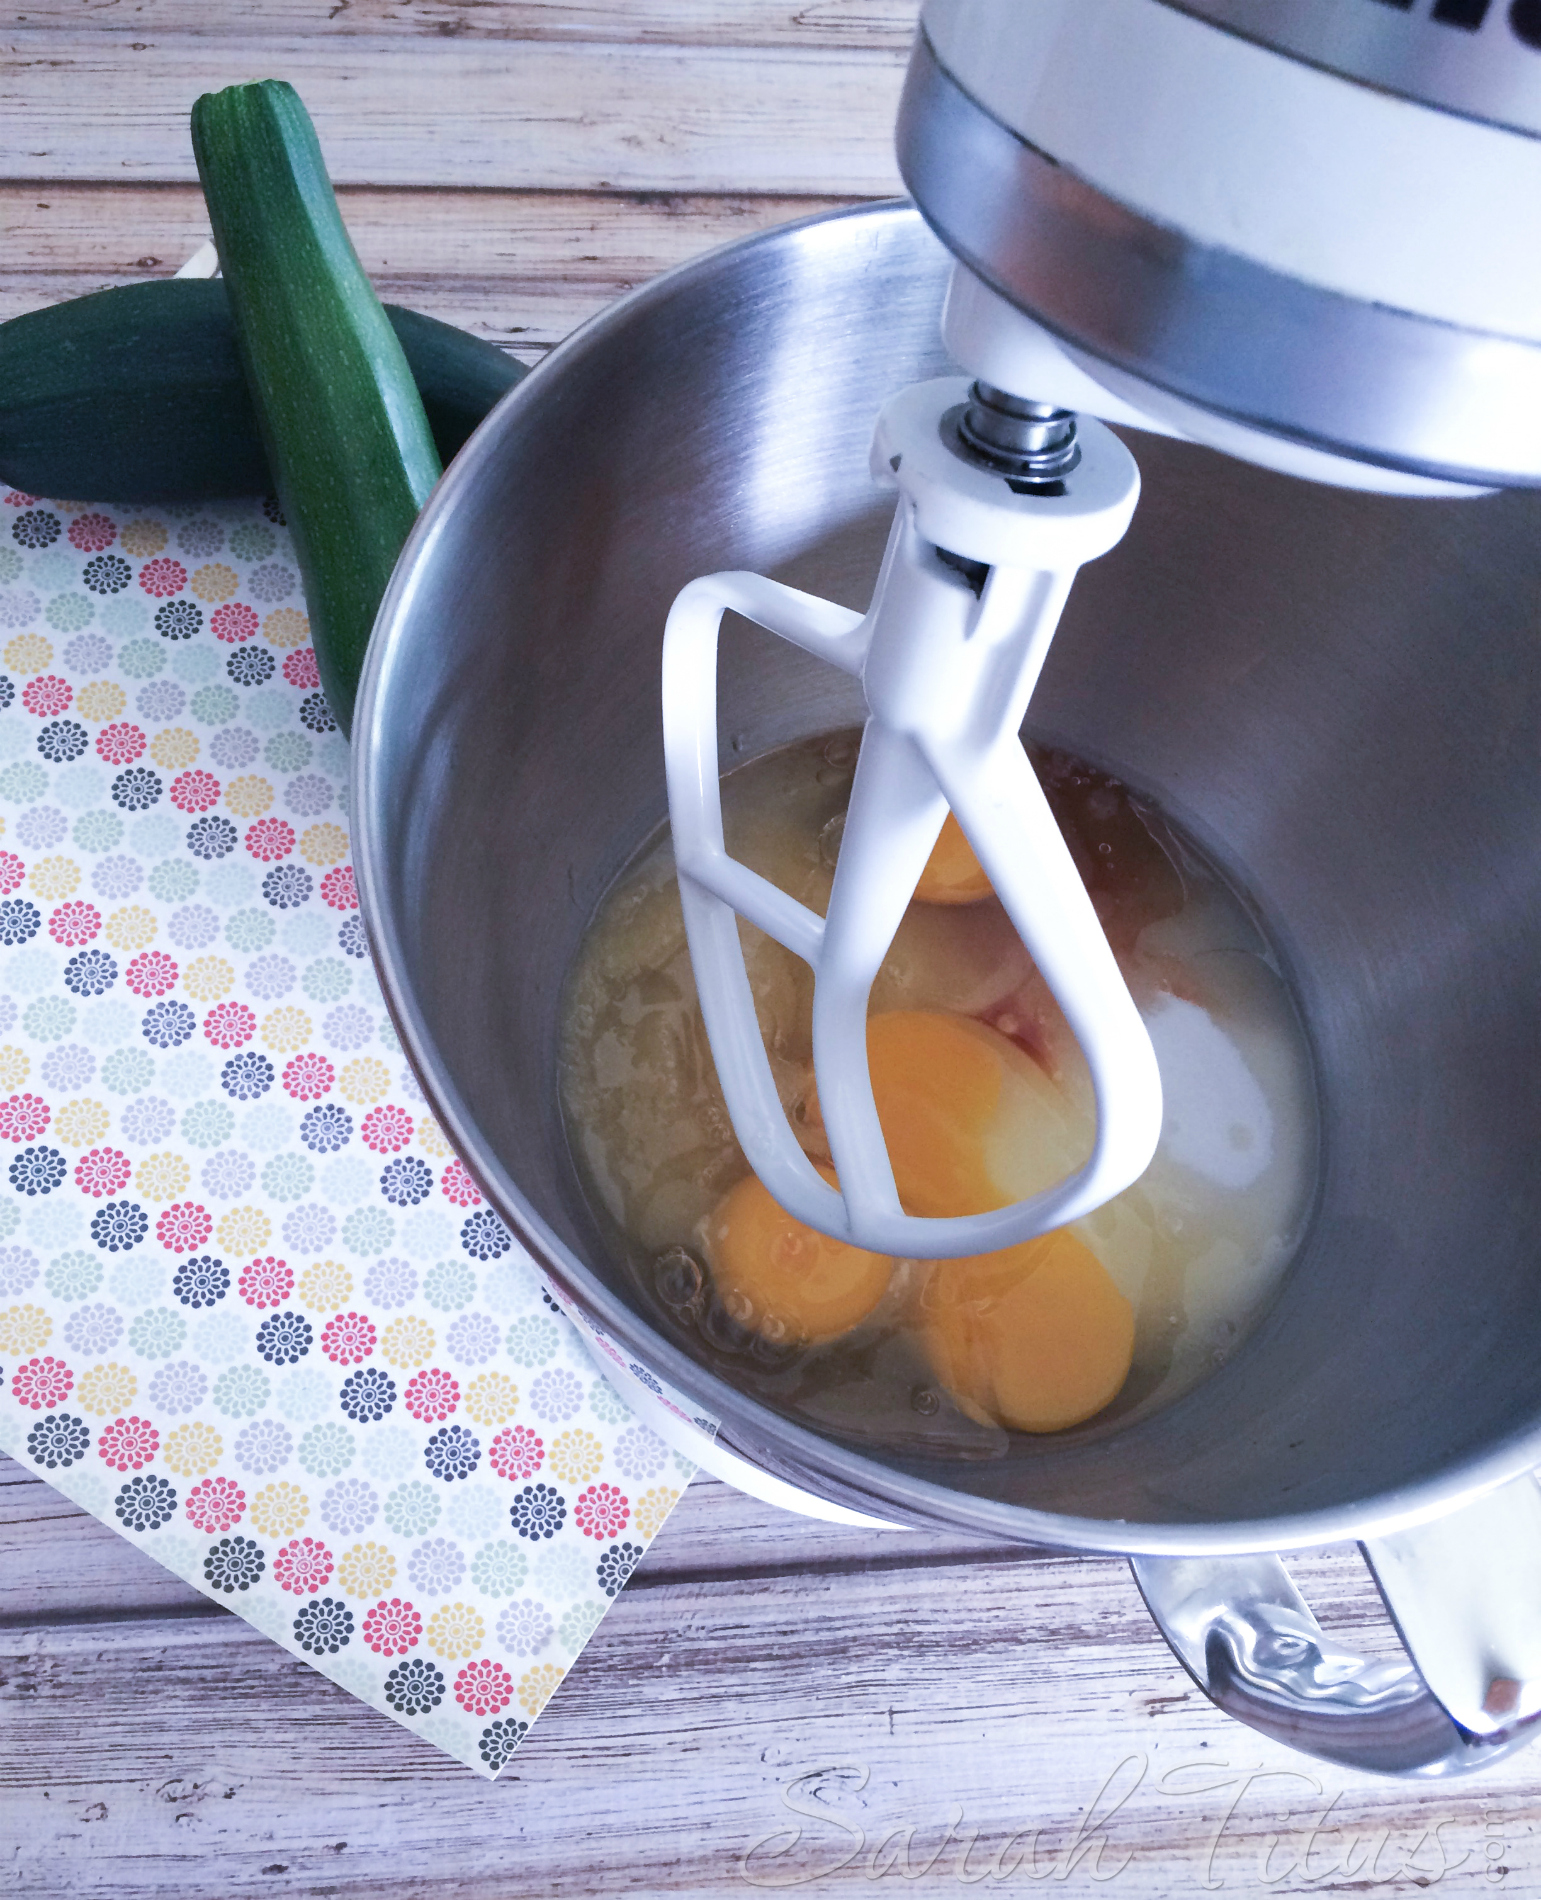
(979, 563)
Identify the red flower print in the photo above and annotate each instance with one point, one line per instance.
(120, 744)
(12, 871)
(195, 791)
(92, 533)
(431, 1395)
(602, 1511)
(392, 1628)
(516, 1453)
(457, 1186)
(184, 1227)
(484, 1687)
(101, 1172)
(270, 839)
(230, 1025)
(42, 1384)
(307, 1077)
(24, 1117)
(234, 622)
(128, 1444)
(48, 696)
(266, 1283)
(218, 1504)
(303, 1566)
(16, 499)
(163, 577)
(152, 973)
(387, 1129)
(300, 669)
(349, 1339)
(339, 889)
(74, 924)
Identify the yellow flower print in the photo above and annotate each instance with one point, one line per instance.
(131, 928)
(575, 1457)
(537, 1686)
(286, 627)
(81, 1124)
(364, 1080)
(207, 979)
(492, 1398)
(652, 1508)
(24, 1330)
(286, 1030)
(163, 1177)
(407, 1343)
(106, 1391)
(100, 701)
(454, 1631)
(278, 1510)
(175, 749)
(249, 797)
(367, 1570)
(192, 1451)
(15, 1066)
(214, 581)
(324, 1287)
(144, 537)
(244, 1230)
(29, 653)
(323, 844)
(430, 1138)
(54, 879)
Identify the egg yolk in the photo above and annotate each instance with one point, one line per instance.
(783, 1278)
(1036, 1337)
(971, 1121)
(953, 875)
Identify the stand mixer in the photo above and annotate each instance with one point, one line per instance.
(1282, 231)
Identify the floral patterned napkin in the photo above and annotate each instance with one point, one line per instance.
(253, 1312)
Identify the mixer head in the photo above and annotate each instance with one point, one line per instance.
(1306, 232)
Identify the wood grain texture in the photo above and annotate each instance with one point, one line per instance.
(560, 116)
(963, 1717)
(886, 24)
(519, 268)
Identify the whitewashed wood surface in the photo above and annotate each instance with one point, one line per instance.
(770, 1703)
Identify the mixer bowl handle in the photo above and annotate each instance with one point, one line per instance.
(1465, 1595)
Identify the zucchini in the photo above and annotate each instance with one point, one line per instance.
(138, 395)
(347, 441)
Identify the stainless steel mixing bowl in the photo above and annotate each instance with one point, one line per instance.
(1338, 694)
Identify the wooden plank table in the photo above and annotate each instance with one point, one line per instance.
(771, 1703)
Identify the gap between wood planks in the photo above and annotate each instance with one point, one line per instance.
(555, 115)
(881, 24)
(520, 269)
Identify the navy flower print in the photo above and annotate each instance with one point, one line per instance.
(212, 837)
(324, 1626)
(452, 1452)
(284, 1338)
(484, 1236)
(406, 1181)
(168, 1024)
(246, 1076)
(234, 1563)
(201, 1282)
(90, 973)
(326, 1128)
(538, 1511)
(146, 1503)
(59, 1439)
(616, 1565)
(414, 1687)
(367, 1396)
(119, 1226)
(38, 1170)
